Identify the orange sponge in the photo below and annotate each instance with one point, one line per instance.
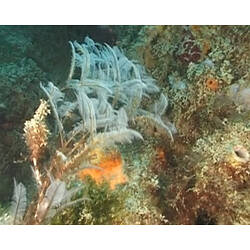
(212, 84)
(110, 170)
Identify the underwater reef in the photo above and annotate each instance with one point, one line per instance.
(125, 125)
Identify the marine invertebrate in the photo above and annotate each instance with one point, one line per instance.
(218, 185)
(19, 203)
(36, 132)
(103, 93)
(189, 50)
(239, 93)
(36, 137)
(212, 84)
(223, 176)
(242, 98)
(107, 74)
(54, 96)
(154, 119)
(241, 154)
(109, 169)
(55, 198)
(109, 88)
